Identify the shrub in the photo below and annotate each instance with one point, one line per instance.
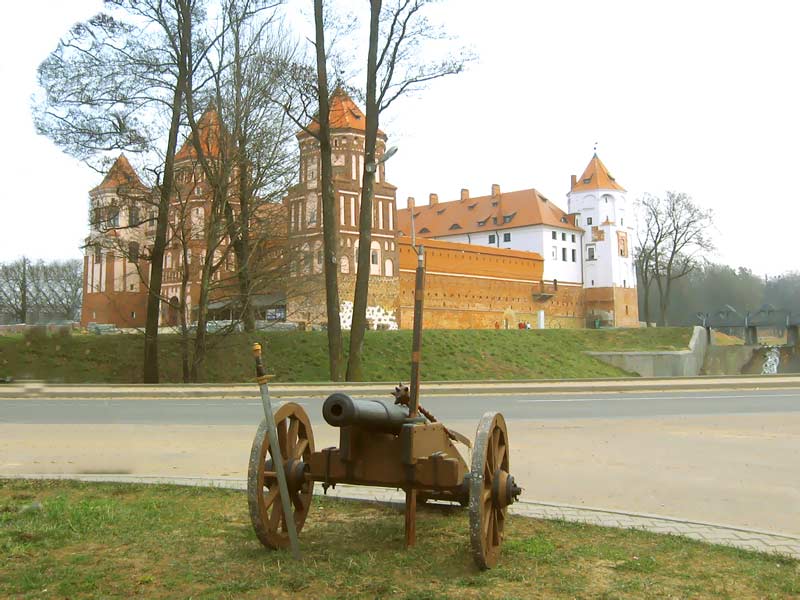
(35, 333)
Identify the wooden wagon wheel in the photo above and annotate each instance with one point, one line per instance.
(492, 489)
(296, 441)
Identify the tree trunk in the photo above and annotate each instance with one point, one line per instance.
(160, 241)
(357, 329)
(330, 226)
(23, 292)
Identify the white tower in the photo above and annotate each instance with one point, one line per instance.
(609, 276)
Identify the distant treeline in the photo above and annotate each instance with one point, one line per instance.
(712, 286)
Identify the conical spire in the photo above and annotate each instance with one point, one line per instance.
(211, 134)
(344, 114)
(121, 173)
(595, 177)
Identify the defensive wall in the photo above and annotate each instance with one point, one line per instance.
(478, 287)
(600, 303)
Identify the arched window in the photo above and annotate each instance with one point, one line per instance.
(311, 209)
(344, 263)
(375, 258)
(388, 268)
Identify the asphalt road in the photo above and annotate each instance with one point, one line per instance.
(513, 406)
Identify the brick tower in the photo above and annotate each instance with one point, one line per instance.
(303, 207)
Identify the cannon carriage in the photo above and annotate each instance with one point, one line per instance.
(387, 444)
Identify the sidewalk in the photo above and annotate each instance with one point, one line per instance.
(287, 390)
(759, 541)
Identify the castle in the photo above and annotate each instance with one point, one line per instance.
(492, 261)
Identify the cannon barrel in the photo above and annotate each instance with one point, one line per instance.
(340, 410)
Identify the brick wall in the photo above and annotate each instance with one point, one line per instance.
(615, 306)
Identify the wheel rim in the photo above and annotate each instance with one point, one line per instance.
(490, 461)
(296, 441)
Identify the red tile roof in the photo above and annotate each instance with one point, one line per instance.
(211, 134)
(344, 114)
(120, 174)
(596, 177)
(485, 213)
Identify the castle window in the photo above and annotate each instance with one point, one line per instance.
(554, 235)
(336, 143)
(98, 253)
(424, 230)
(508, 218)
(590, 253)
(455, 226)
(133, 314)
(492, 238)
(564, 254)
(344, 264)
(621, 221)
(441, 211)
(624, 283)
(133, 216)
(587, 180)
(588, 220)
(563, 237)
(506, 237)
(133, 252)
(573, 255)
(554, 253)
(573, 237)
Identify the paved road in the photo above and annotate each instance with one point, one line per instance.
(715, 456)
(513, 406)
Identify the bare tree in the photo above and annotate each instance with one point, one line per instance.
(394, 67)
(58, 288)
(15, 289)
(107, 84)
(675, 239)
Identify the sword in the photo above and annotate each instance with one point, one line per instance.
(275, 448)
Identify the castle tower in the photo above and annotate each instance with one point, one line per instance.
(303, 206)
(114, 290)
(609, 275)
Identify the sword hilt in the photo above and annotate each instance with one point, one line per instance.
(261, 374)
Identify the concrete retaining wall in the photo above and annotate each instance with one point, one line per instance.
(662, 363)
(727, 360)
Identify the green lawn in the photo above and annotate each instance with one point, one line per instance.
(299, 356)
(121, 541)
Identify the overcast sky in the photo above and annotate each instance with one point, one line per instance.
(698, 97)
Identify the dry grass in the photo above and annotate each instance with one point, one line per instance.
(122, 541)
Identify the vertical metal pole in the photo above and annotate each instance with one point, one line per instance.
(413, 406)
(275, 450)
(416, 344)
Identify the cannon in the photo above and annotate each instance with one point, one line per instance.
(388, 444)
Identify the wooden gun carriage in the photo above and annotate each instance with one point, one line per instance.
(396, 445)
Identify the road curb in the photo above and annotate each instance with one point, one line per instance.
(727, 535)
(44, 391)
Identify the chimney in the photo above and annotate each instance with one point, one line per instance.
(574, 181)
(495, 190)
(410, 203)
(434, 199)
(464, 194)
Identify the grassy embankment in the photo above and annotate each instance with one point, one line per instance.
(120, 541)
(298, 356)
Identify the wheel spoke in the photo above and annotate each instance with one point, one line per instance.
(495, 529)
(294, 428)
(269, 475)
(300, 448)
(501, 454)
(276, 516)
(269, 497)
(297, 501)
(281, 427)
